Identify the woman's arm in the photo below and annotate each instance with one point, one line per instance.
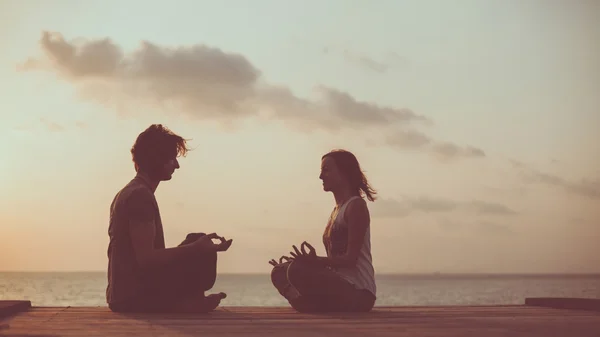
(358, 219)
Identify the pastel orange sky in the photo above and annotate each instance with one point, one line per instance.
(475, 121)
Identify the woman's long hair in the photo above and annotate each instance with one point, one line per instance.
(350, 169)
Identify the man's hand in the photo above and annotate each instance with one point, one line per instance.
(224, 245)
(205, 243)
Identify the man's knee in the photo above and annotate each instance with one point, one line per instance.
(208, 282)
(207, 270)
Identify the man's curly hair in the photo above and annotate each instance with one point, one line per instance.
(155, 146)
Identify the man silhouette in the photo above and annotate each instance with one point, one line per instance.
(144, 275)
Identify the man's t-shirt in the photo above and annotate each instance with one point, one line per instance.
(135, 202)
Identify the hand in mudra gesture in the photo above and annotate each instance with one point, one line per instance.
(274, 263)
(296, 254)
(302, 254)
(205, 243)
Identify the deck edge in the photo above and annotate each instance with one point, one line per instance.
(590, 304)
(9, 308)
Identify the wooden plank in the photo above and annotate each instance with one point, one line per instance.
(451, 321)
(8, 308)
(565, 303)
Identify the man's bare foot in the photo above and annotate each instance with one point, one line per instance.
(201, 303)
(210, 302)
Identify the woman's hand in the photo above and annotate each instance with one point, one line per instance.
(275, 264)
(303, 255)
(297, 254)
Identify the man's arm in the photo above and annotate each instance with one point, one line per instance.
(142, 230)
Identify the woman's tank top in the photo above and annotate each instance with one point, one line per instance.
(335, 239)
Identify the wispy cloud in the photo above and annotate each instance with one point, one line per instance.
(584, 187)
(477, 227)
(81, 125)
(367, 62)
(401, 208)
(448, 150)
(211, 84)
(408, 139)
(48, 125)
(378, 65)
(588, 188)
(490, 227)
(489, 208)
(52, 126)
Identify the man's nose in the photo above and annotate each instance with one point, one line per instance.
(176, 163)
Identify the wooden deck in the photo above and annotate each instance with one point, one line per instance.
(463, 321)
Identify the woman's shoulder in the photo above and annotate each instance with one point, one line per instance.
(356, 201)
(356, 208)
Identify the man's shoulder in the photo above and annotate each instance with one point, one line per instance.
(133, 192)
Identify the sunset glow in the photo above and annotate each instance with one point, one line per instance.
(477, 124)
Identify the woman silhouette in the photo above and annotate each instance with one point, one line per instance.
(344, 280)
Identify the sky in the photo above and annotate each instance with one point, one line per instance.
(474, 120)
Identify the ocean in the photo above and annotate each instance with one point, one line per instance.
(88, 289)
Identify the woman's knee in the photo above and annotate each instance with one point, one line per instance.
(297, 272)
(279, 276)
(305, 304)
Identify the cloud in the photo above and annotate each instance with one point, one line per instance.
(585, 187)
(484, 227)
(52, 126)
(208, 83)
(48, 125)
(517, 164)
(488, 208)
(448, 150)
(506, 190)
(198, 79)
(433, 205)
(347, 108)
(449, 225)
(367, 62)
(392, 208)
(413, 139)
(408, 139)
(492, 228)
(80, 124)
(203, 81)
